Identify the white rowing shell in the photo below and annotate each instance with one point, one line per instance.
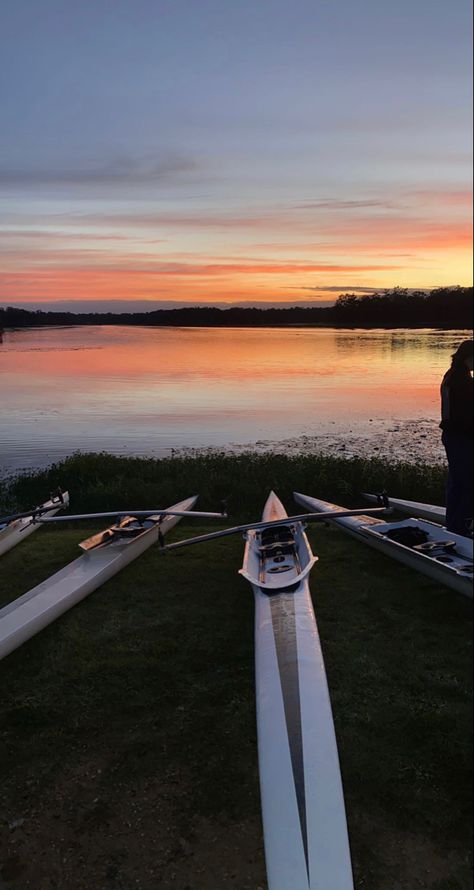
(304, 821)
(19, 529)
(30, 613)
(456, 574)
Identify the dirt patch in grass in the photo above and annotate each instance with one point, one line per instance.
(83, 835)
(386, 858)
(88, 830)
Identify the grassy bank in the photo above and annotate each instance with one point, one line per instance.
(128, 749)
(101, 482)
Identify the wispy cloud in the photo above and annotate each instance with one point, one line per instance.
(370, 241)
(31, 237)
(115, 172)
(340, 288)
(144, 264)
(341, 204)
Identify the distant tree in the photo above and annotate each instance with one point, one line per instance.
(442, 308)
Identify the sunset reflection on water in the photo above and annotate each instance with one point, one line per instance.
(148, 390)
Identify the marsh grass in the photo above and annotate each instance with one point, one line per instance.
(102, 481)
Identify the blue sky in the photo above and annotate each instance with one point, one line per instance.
(233, 151)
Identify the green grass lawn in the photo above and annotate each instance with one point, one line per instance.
(127, 727)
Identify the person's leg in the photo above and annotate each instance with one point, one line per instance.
(459, 500)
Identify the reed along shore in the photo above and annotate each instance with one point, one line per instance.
(99, 482)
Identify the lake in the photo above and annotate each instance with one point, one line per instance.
(152, 391)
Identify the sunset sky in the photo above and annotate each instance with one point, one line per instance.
(212, 151)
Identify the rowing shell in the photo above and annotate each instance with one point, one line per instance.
(11, 533)
(413, 508)
(104, 555)
(304, 821)
(442, 555)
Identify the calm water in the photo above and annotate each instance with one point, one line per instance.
(146, 391)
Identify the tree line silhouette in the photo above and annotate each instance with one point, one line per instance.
(447, 307)
(444, 307)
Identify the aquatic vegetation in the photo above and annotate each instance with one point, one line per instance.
(103, 482)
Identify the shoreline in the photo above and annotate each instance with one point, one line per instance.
(393, 444)
(394, 441)
(251, 327)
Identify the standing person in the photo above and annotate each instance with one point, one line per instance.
(457, 437)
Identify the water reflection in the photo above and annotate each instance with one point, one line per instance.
(147, 390)
(425, 340)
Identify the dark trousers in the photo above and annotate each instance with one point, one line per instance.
(459, 502)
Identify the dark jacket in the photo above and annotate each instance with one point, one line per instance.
(457, 401)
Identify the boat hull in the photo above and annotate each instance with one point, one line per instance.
(304, 821)
(21, 529)
(30, 613)
(372, 532)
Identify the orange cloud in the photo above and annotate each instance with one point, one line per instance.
(409, 239)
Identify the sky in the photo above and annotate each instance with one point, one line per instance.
(156, 152)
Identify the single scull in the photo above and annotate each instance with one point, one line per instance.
(16, 528)
(105, 554)
(304, 820)
(419, 544)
